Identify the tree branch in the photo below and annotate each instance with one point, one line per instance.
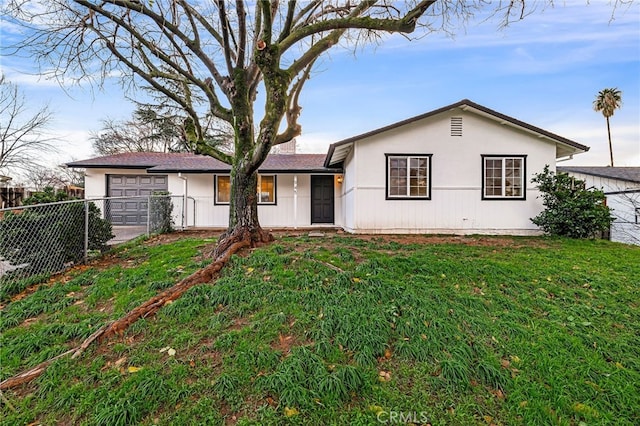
(226, 46)
(242, 33)
(293, 128)
(286, 29)
(406, 24)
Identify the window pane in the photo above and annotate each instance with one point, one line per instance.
(223, 194)
(504, 177)
(493, 177)
(408, 176)
(397, 176)
(398, 163)
(513, 177)
(266, 191)
(398, 186)
(418, 191)
(418, 180)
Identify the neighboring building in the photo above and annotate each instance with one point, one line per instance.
(10, 196)
(460, 169)
(621, 185)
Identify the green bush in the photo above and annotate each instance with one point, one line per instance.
(571, 209)
(47, 236)
(160, 209)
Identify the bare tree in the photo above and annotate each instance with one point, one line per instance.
(23, 134)
(222, 53)
(40, 177)
(151, 129)
(146, 131)
(71, 176)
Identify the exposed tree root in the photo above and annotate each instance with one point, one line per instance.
(152, 305)
(32, 373)
(255, 237)
(236, 241)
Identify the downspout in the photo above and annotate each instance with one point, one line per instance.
(295, 201)
(184, 200)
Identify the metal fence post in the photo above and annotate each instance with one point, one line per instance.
(86, 231)
(148, 215)
(184, 211)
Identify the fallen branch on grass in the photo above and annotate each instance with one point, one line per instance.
(331, 266)
(32, 373)
(145, 310)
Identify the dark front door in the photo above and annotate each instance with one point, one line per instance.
(322, 199)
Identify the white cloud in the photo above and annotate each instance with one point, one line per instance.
(9, 28)
(72, 145)
(572, 23)
(23, 79)
(315, 142)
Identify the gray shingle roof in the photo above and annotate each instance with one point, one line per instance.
(158, 162)
(628, 174)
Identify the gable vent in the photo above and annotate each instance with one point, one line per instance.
(456, 126)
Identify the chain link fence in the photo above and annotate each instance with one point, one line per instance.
(39, 240)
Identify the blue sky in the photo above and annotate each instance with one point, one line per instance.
(544, 70)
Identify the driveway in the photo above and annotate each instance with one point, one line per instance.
(122, 234)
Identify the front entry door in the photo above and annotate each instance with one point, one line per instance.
(322, 200)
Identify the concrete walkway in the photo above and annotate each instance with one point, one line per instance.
(122, 234)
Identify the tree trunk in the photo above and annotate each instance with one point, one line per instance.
(243, 213)
(610, 146)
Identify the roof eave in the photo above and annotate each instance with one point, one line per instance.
(108, 166)
(262, 171)
(464, 104)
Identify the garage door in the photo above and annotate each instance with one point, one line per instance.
(132, 211)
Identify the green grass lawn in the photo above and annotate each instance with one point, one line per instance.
(340, 330)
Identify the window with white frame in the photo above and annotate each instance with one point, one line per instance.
(408, 176)
(503, 177)
(266, 189)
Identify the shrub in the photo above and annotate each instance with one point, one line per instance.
(47, 236)
(571, 209)
(160, 210)
(47, 195)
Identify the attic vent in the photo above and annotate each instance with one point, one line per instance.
(456, 126)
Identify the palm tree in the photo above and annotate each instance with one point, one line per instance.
(607, 101)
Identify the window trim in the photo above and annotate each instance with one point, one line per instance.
(503, 157)
(408, 156)
(260, 203)
(215, 190)
(275, 190)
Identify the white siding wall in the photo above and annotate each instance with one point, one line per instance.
(202, 212)
(284, 214)
(348, 192)
(199, 201)
(624, 229)
(95, 181)
(456, 204)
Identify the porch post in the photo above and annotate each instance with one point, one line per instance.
(295, 201)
